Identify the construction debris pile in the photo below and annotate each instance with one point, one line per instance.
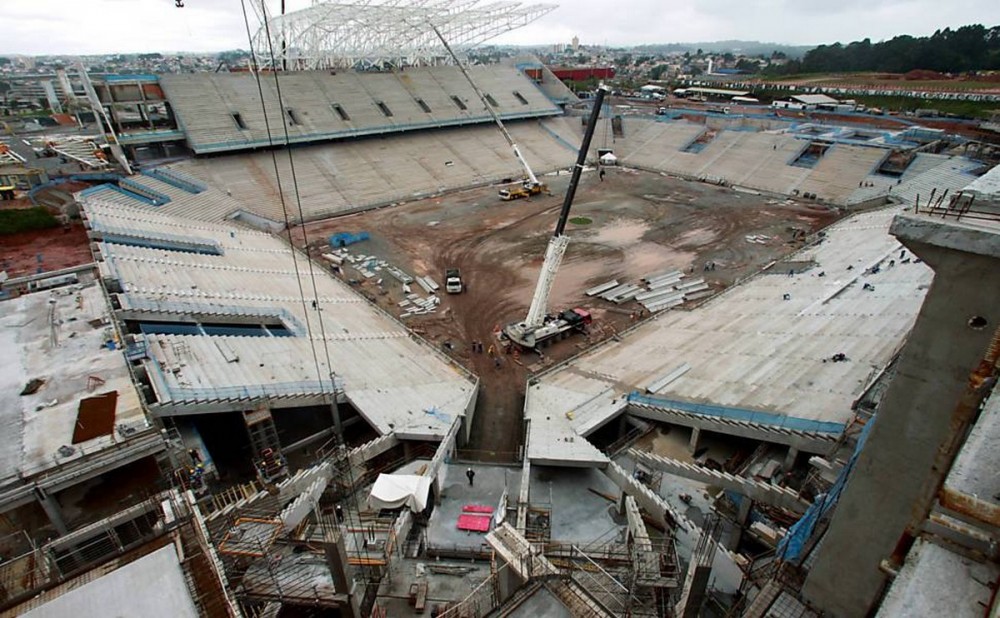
(654, 292)
(371, 267)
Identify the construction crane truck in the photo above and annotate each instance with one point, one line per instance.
(530, 185)
(540, 327)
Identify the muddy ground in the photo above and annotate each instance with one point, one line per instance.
(28, 253)
(640, 224)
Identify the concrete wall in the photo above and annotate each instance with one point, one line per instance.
(882, 495)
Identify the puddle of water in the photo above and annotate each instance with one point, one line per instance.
(648, 257)
(571, 281)
(620, 233)
(697, 237)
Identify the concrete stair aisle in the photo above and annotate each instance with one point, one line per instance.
(762, 602)
(837, 174)
(950, 175)
(576, 599)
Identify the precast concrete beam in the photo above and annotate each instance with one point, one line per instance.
(757, 491)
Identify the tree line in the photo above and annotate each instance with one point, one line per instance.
(969, 48)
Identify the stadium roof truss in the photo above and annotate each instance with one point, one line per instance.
(382, 33)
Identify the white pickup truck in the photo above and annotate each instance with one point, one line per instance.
(453, 281)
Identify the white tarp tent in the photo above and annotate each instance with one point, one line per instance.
(392, 491)
(609, 159)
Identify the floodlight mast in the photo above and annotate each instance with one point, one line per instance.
(496, 117)
(526, 333)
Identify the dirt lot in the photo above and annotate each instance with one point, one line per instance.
(58, 248)
(641, 224)
(46, 250)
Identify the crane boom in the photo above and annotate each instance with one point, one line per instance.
(496, 117)
(524, 333)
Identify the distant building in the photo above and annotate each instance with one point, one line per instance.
(579, 74)
(576, 43)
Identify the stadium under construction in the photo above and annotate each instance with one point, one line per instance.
(262, 397)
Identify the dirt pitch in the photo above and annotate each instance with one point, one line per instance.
(641, 224)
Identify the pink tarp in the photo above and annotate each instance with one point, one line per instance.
(476, 523)
(475, 517)
(477, 508)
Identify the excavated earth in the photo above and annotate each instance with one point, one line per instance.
(640, 224)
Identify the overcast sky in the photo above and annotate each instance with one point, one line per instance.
(103, 26)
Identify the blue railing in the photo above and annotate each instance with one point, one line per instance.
(133, 187)
(739, 414)
(131, 77)
(176, 179)
(133, 302)
(156, 240)
(304, 388)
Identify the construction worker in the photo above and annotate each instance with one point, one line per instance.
(470, 474)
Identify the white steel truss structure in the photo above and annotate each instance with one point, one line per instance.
(376, 34)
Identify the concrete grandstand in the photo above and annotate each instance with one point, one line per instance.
(655, 465)
(176, 277)
(224, 112)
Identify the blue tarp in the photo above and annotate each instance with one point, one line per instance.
(790, 547)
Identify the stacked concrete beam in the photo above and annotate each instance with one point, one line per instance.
(756, 490)
(303, 505)
(649, 563)
(806, 441)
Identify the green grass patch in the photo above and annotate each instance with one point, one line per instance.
(580, 221)
(26, 220)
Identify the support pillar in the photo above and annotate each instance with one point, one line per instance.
(793, 454)
(622, 426)
(338, 425)
(343, 582)
(742, 518)
(509, 583)
(695, 437)
(51, 507)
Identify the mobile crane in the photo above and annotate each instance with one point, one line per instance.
(530, 185)
(539, 326)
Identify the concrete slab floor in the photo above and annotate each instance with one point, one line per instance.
(487, 488)
(441, 589)
(578, 516)
(542, 603)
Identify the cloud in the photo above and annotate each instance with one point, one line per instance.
(108, 26)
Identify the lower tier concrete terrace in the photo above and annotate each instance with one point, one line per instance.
(762, 352)
(219, 332)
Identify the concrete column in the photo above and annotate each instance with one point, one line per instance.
(509, 583)
(343, 583)
(51, 507)
(947, 343)
(793, 454)
(742, 516)
(695, 436)
(337, 423)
